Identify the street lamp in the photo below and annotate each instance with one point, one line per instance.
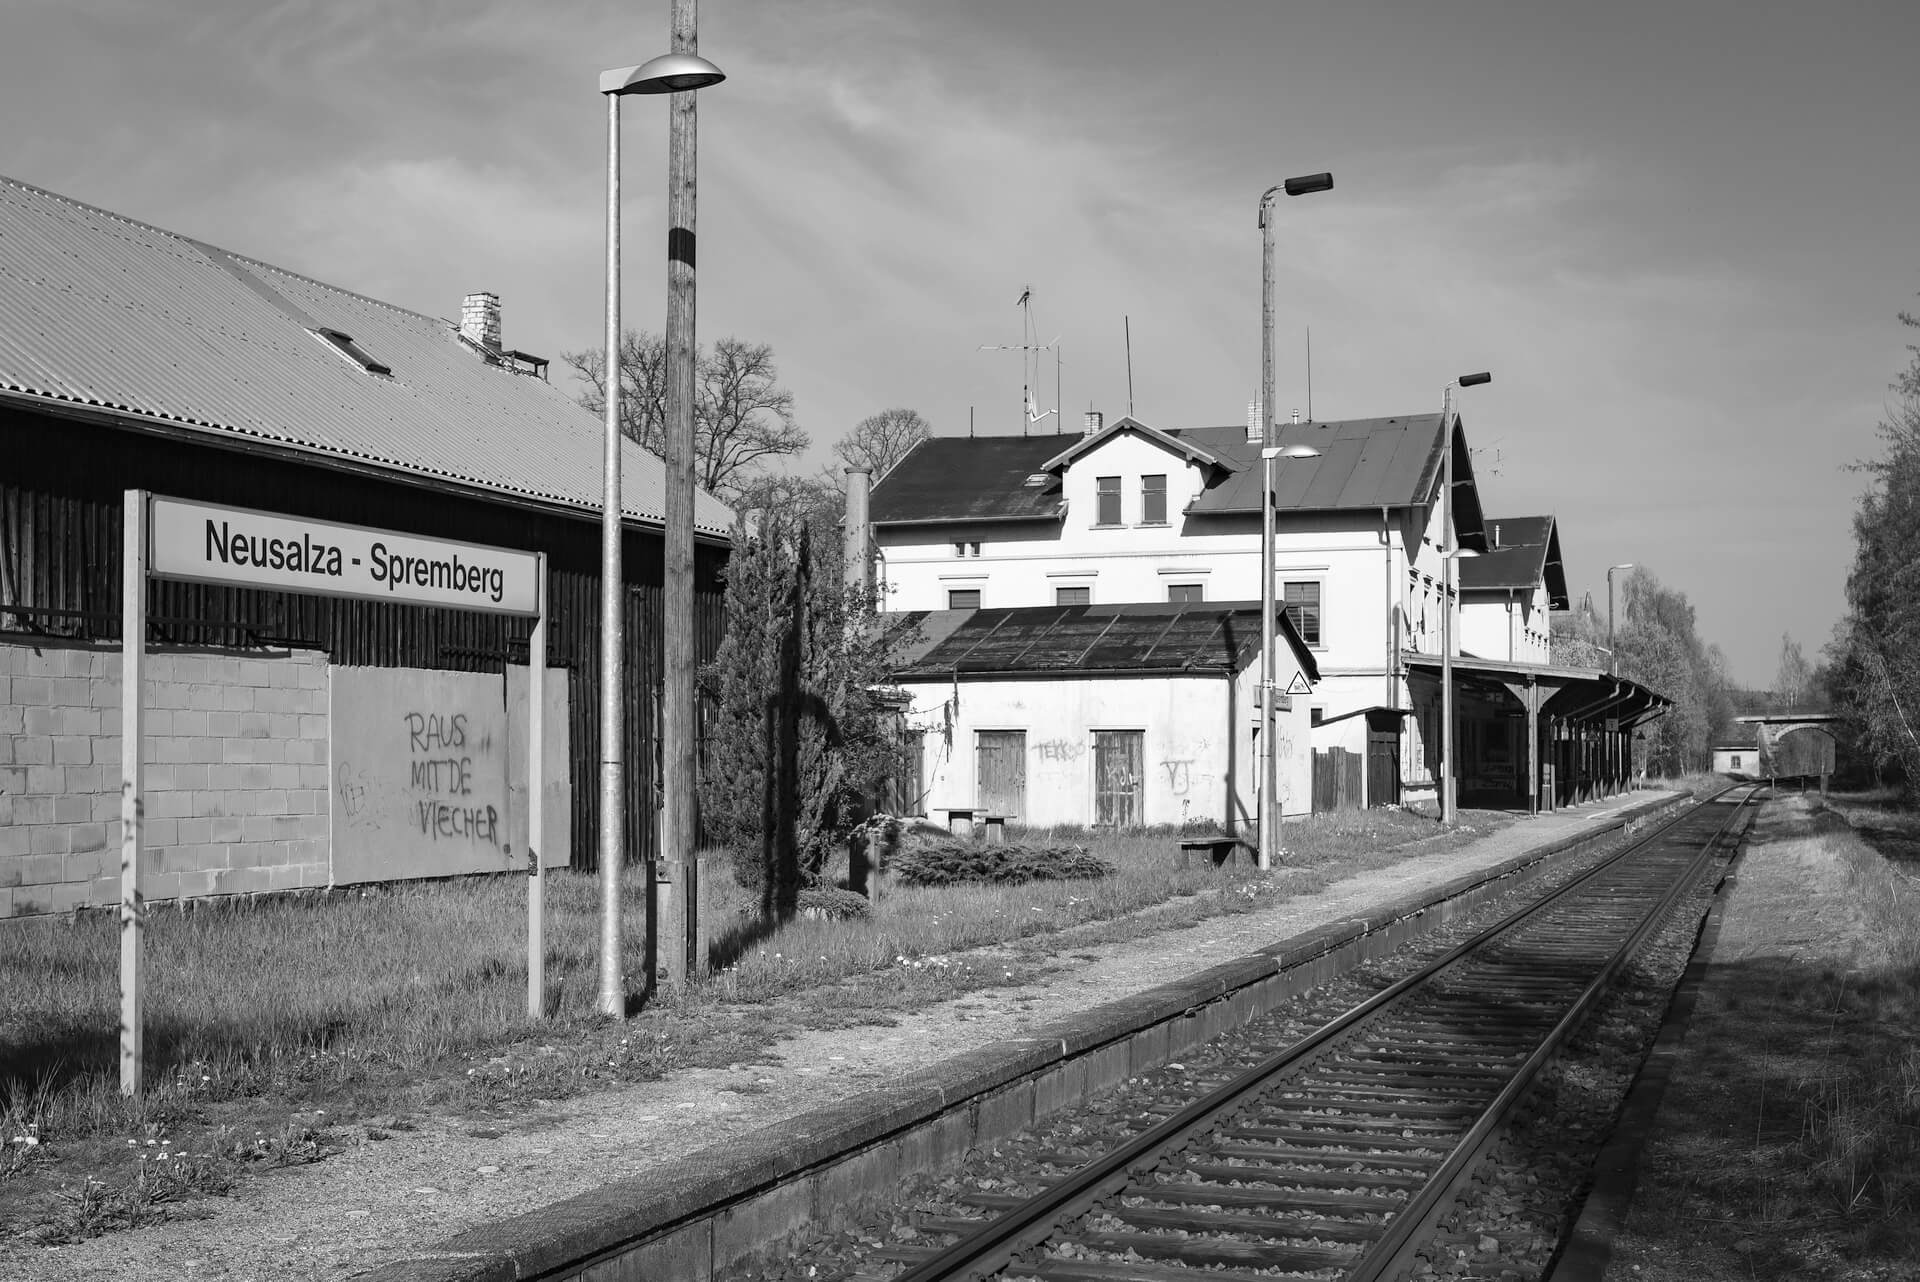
(1303, 185)
(1613, 660)
(1269, 772)
(1449, 549)
(671, 73)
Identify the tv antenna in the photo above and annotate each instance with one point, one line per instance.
(1499, 457)
(1030, 350)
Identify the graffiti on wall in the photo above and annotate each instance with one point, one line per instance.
(420, 777)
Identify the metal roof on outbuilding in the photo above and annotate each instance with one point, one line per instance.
(147, 326)
(1116, 640)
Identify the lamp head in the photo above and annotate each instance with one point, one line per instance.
(1474, 380)
(1627, 566)
(1289, 451)
(669, 73)
(1308, 183)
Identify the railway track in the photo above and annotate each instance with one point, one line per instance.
(1337, 1154)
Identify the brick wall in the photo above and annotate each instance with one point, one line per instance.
(236, 774)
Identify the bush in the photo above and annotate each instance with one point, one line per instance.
(833, 903)
(951, 863)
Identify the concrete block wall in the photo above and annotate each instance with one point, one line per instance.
(236, 774)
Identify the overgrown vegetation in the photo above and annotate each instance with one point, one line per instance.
(1792, 1145)
(952, 863)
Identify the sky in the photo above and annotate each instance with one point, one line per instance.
(1678, 234)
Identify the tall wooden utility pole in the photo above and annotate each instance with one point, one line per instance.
(675, 869)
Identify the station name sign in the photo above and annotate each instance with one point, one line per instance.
(209, 543)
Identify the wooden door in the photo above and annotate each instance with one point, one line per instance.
(1383, 768)
(1119, 765)
(1000, 772)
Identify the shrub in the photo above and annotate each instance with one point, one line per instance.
(950, 863)
(833, 903)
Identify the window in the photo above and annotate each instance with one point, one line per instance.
(1073, 596)
(1186, 592)
(344, 344)
(1108, 511)
(1153, 500)
(963, 598)
(966, 549)
(1736, 763)
(1316, 715)
(1302, 601)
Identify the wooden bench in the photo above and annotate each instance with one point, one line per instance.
(1217, 851)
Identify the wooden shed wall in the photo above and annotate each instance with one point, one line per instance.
(61, 499)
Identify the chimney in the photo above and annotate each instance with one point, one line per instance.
(1296, 414)
(480, 320)
(859, 530)
(1095, 421)
(1256, 422)
(1496, 534)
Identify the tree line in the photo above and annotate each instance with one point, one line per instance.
(1873, 661)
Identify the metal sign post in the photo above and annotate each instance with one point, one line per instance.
(211, 543)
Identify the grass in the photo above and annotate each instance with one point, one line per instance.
(280, 1030)
(1793, 1149)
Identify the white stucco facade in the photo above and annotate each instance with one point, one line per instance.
(1376, 571)
(1197, 737)
(1509, 624)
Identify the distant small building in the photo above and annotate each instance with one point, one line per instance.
(1121, 715)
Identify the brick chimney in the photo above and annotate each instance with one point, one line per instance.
(1095, 421)
(1256, 423)
(480, 320)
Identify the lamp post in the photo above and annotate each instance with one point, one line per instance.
(671, 73)
(1613, 660)
(1449, 549)
(1269, 771)
(1303, 185)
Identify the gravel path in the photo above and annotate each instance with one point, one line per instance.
(359, 1209)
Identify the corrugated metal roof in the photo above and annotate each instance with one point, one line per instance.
(1528, 552)
(958, 478)
(1141, 639)
(99, 310)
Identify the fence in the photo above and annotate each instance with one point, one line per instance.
(1336, 780)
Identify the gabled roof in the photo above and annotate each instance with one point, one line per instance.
(1525, 553)
(1157, 639)
(1186, 449)
(151, 328)
(965, 478)
(1363, 463)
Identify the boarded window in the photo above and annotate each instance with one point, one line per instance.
(1186, 592)
(963, 599)
(1108, 510)
(1302, 600)
(1073, 596)
(1119, 758)
(1153, 500)
(1000, 762)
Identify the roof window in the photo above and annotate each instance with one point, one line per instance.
(344, 344)
(1036, 479)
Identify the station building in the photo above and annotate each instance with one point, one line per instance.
(1128, 513)
(294, 740)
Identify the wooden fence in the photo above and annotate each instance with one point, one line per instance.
(1336, 780)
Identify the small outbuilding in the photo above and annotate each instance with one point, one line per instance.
(1109, 715)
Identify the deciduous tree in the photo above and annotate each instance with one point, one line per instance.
(881, 440)
(743, 418)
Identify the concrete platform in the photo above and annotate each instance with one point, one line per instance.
(695, 1216)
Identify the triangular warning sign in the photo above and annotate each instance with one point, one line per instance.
(1299, 684)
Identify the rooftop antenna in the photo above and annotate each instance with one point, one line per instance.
(1499, 456)
(1309, 373)
(1128, 322)
(1030, 362)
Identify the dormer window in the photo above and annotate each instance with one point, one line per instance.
(344, 344)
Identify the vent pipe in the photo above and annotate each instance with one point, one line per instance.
(480, 320)
(859, 530)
